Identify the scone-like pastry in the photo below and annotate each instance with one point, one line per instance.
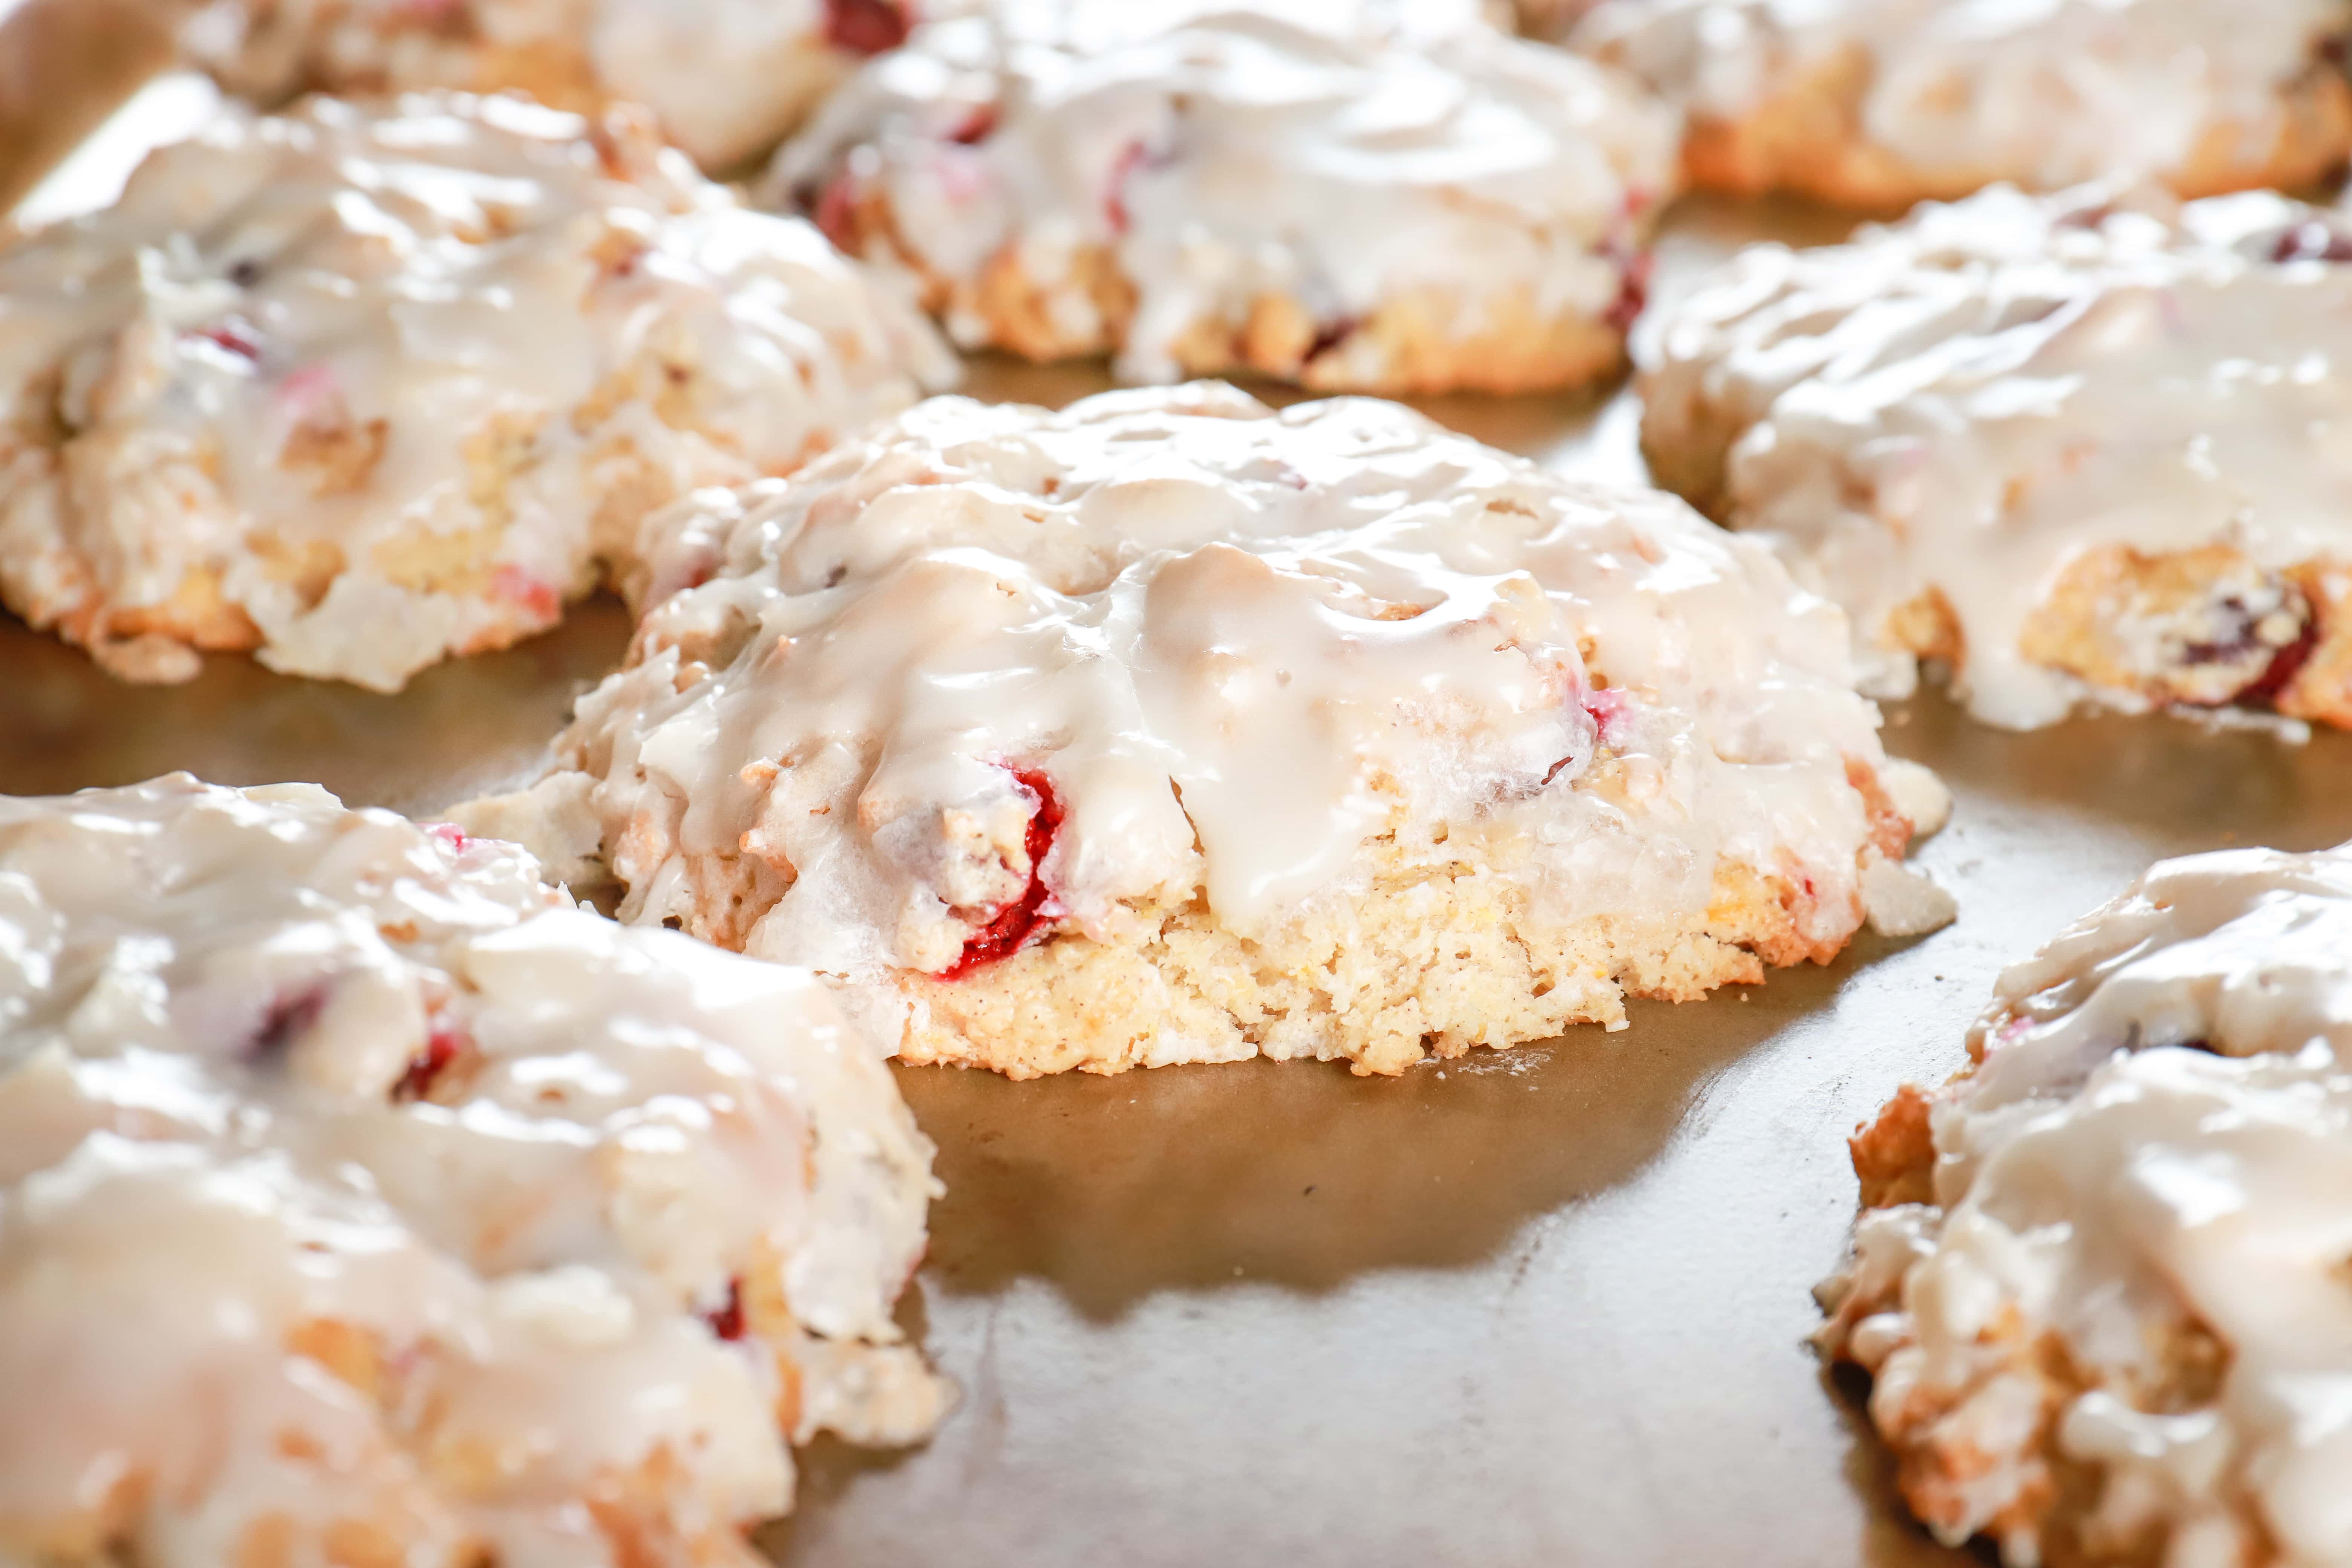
(2100, 1276)
(727, 78)
(359, 389)
(362, 1202)
(1882, 103)
(1170, 728)
(2083, 448)
(1370, 195)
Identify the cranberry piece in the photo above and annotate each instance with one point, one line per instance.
(726, 1319)
(442, 1047)
(2235, 645)
(2284, 665)
(975, 127)
(1633, 291)
(1332, 334)
(2093, 216)
(450, 834)
(536, 595)
(289, 1019)
(863, 26)
(2312, 241)
(235, 335)
(1004, 936)
(1606, 705)
(1131, 158)
(837, 212)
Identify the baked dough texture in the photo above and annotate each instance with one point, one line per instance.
(1372, 196)
(2087, 449)
(1877, 104)
(2099, 1278)
(358, 389)
(1548, 18)
(362, 1202)
(726, 79)
(1172, 728)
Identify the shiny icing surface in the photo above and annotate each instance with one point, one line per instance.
(380, 385)
(1212, 649)
(361, 1201)
(2157, 1136)
(725, 78)
(1339, 153)
(2043, 92)
(1964, 402)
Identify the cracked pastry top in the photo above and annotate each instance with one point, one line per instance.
(364, 1202)
(1168, 728)
(2099, 1276)
(1353, 195)
(726, 79)
(1881, 103)
(2083, 448)
(358, 389)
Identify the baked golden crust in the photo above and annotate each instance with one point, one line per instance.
(1426, 960)
(1420, 963)
(158, 641)
(1420, 343)
(1951, 1437)
(1808, 140)
(2320, 690)
(2197, 628)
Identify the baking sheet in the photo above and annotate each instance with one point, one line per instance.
(1545, 1307)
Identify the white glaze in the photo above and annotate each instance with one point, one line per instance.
(1312, 627)
(1337, 153)
(2160, 1126)
(445, 266)
(727, 78)
(2043, 92)
(1967, 400)
(207, 999)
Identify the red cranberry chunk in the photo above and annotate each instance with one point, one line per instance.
(1131, 158)
(726, 1319)
(2284, 665)
(837, 212)
(289, 1019)
(2312, 241)
(1331, 334)
(236, 336)
(441, 1049)
(1633, 292)
(975, 126)
(864, 27)
(1016, 922)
